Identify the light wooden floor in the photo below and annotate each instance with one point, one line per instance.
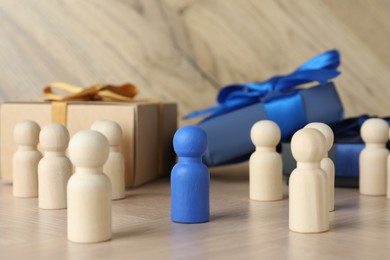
(186, 50)
(239, 228)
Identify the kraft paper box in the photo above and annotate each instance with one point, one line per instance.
(148, 130)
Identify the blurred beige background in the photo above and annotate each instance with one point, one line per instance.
(186, 50)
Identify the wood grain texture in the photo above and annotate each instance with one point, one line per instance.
(185, 51)
(238, 229)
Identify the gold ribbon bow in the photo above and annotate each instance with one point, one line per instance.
(101, 92)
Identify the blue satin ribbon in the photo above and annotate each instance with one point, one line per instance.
(287, 111)
(321, 68)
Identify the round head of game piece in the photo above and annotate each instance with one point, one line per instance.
(308, 145)
(190, 141)
(375, 131)
(265, 133)
(325, 130)
(88, 149)
(26, 132)
(110, 129)
(54, 137)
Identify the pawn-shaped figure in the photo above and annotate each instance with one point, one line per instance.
(190, 178)
(373, 158)
(265, 164)
(89, 189)
(308, 201)
(25, 160)
(326, 163)
(114, 168)
(54, 169)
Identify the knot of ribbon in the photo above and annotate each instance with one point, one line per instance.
(101, 92)
(320, 68)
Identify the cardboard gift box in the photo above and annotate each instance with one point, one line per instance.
(148, 128)
(229, 134)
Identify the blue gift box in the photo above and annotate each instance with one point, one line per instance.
(344, 153)
(279, 99)
(229, 135)
(345, 157)
(347, 148)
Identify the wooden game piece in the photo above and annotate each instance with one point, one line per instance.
(373, 158)
(265, 164)
(114, 168)
(54, 169)
(190, 178)
(326, 163)
(308, 200)
(26, 159)
(89, 190)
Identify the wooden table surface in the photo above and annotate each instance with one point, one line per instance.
(239, 228)
(186, 51)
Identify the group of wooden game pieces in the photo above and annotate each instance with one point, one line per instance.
(311, 184)
(99, 173)
(87, 194)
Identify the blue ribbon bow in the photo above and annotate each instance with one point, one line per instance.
(319, 69)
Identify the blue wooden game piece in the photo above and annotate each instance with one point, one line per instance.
(190, 178)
